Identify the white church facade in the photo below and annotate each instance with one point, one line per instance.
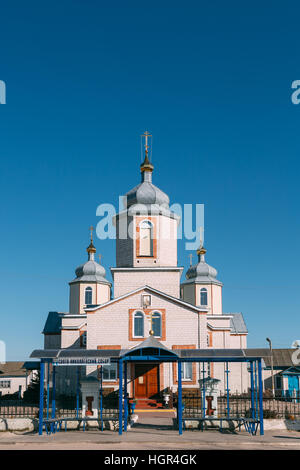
(149, 298)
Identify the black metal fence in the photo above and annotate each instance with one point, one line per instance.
(64, 407)
(18, 409)
(240, 406)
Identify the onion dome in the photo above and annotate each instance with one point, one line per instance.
(202, 272)
(91, 271)
(146, 192)
(146, 198)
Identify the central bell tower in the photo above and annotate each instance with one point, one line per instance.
(146, 236)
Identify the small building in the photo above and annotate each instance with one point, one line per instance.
(286, 374)
(15, 377)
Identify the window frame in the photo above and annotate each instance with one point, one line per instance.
(160, 316)
(151, 227)
(203, 290)
(5, 384)
(88, 290)
(109, 379)
(133, 323)
(183, 372)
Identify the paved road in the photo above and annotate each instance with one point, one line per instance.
(154, 432)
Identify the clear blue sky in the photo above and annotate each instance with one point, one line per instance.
(212, 82)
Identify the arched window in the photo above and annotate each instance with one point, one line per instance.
(88, 296)
(203, 296)
(146, 238)
(156, 324)
(138, 324)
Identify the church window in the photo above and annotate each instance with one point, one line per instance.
(156, 323)
(88, 296)
(139, 324)
(187, 370)
(203, 296)
(146, 238)
(110, 372)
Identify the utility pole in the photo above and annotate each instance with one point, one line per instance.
(272, 366)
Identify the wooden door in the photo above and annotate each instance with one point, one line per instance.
(146, 383)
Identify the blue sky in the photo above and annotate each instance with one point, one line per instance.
(212, 82)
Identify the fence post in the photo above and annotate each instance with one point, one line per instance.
(41, 404)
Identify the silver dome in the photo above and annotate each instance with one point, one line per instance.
(147, 193)
(202, 272)
(90, 271)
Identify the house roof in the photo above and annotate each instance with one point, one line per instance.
(154, 291)
(53, 323)
(282, 358)
(237, 323)
(13, 369)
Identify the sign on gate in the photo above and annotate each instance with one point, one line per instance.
(87, 361)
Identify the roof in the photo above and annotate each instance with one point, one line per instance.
(237, 323)
(155, 291)
(151, 343)
(74, 353)
(53, 324)
(282, 358)
(13, 369)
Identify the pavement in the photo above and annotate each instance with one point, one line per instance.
(153, 431)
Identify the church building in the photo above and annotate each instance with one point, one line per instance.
(148, 298)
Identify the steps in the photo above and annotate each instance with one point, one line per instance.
(148, 404)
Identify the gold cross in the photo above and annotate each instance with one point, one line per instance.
(100, 256)
(151, 332)
(191, 259)
(91, 229)
(146, 135)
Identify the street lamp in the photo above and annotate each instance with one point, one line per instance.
(272, 368)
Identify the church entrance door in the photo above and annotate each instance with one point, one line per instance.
(146, 383)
